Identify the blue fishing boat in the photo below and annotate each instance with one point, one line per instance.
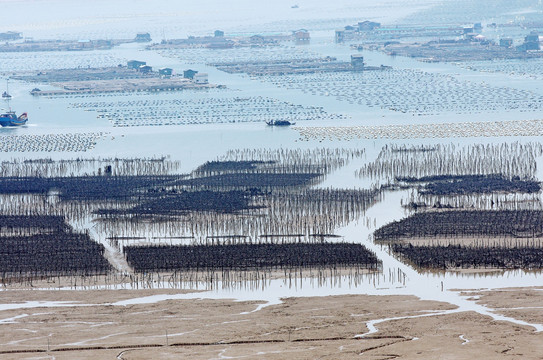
(9, 118)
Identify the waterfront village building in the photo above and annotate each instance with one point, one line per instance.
(357, 62)
(531, 41)
(351, 31)
(165, 72)
(145, 69)
(368, 25)
(301, 36)
(532, 37)
(200, 78)
(219, 33)
(10, 35)
(189, 74)
(135, 64)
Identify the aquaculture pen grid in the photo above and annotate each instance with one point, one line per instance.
(265, 201)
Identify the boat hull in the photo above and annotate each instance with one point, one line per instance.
(10, 119)
(279, 123)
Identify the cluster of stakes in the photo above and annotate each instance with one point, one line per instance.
(210, 110)
(258, 202)
(258, 209)
(39, 246)
(75, 142)
(447, 230)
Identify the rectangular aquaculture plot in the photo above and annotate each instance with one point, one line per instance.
(25, 225)
(459, 223)
(249, 256)
(467, 257)
(52, 254)
(238, 180)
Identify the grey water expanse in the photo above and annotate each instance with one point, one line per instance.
(411, 93)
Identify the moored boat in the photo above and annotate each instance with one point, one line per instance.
(280, 123)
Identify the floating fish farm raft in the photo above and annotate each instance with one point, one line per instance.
(108, 80)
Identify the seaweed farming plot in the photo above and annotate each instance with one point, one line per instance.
(283, 161)
(62, 254)
(46, 246)
(75, 142)
(33, 205)
(411, 91)
(528, 69)
(461, 239)
(265, 198)
(31, 224)
(487, 192)
(510, 160)
(76, 187)
(44, 186)
(250, 257)
(247, 180)
(274, 53)
(32, 61)
(278, 216)
(214, 167)
(114, 188)
(423, 131)
(472, 184)
(47, 167)
(465, 223)
(490, 176)
(180, 203)
(468, 257)
(259, 200)
(203, 111)
(272, 207)
(259, 196)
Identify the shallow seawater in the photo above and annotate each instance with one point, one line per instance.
(458, 94)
